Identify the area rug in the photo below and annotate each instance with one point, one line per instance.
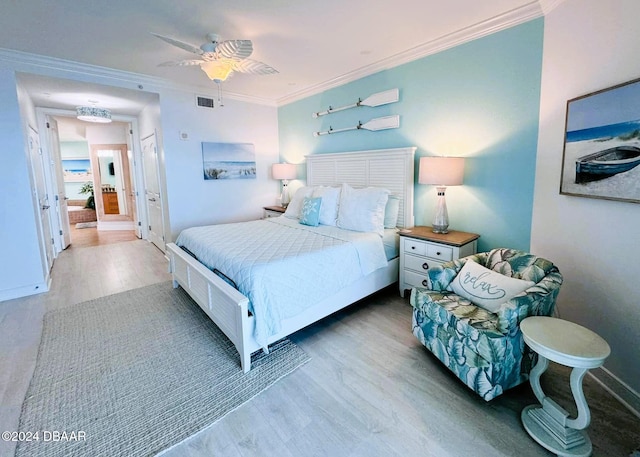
(81, 225)
(135, 373)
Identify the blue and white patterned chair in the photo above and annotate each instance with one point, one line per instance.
(484, 349)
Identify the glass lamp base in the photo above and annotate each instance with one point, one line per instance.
(441, 219)
(440, 228)
(284, 197)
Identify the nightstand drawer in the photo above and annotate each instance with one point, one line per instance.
(415, 247)
(419, 264)
(421, 250)
(415, 279)
(442, 253)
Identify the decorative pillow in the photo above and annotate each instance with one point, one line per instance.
(391, 212)
(486, 288)
(362, 210)
(310, 212)
(330, 199)
(293, 209)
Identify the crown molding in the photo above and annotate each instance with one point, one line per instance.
(549, 5)
(495, 24)
(60, 68)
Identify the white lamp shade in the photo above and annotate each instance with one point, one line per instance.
(283, 171)
(441, 171)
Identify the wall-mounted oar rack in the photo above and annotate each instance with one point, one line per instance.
(380, 98)
(379, 123)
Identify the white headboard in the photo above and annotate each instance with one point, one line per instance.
(390, 169)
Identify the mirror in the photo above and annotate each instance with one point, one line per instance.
(112, 184)
(113, 193)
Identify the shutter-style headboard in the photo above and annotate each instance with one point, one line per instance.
(392, 169)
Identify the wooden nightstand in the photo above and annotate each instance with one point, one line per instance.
(421, 249)
(273, 211)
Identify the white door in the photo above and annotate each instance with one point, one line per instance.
(62, 211)
(153, 196)
(40, 193)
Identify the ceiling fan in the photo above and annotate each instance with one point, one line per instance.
(218, 59)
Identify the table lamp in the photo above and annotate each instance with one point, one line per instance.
(284, 172)
(441, 171)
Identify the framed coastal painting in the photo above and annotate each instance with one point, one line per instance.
(228, 161)
(601, 157)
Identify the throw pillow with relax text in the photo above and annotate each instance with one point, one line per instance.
(486, 288)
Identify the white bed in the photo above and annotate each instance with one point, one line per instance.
(392, 169)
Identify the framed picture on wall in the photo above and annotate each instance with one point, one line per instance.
(601, 157)
(76, 170)
(228, 161)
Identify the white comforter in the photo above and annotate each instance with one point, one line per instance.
(282, 266)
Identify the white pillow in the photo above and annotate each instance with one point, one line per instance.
(487, 288)
(330, 200)
(362, 210)
(294, 207)
(391, 211)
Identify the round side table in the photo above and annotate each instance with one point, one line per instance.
(574, 346)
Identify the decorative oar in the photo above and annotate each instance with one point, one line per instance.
(379, 123)
(381, 98)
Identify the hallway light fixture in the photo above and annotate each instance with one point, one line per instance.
(93, 114)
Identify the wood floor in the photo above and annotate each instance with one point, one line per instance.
(370, 388)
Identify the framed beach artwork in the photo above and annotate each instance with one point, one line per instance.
(601, 156)
(228, 161)
(76, 170)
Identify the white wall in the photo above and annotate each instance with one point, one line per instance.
(194, 201)
(114, 133)
(589, 45)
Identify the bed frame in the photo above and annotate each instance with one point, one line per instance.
(391, 169)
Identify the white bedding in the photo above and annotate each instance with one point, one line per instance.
(282, 266)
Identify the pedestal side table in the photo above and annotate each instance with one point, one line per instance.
(574, 346)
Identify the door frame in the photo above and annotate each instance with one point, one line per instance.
(41, 116)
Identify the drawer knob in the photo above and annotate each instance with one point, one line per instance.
(425, 283)
(413, 247)
(438, 253)
(425, 266)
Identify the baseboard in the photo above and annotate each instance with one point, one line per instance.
(618, 388)
(25, 291)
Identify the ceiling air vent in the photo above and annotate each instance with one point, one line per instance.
(204, 102)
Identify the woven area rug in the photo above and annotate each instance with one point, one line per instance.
(81, 225)
(136, 373)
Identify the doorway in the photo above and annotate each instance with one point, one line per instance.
(96, 180)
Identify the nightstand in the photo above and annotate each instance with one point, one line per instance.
(273, 211)
(421, 249)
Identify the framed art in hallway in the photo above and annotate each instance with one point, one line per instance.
(601, 157)
(228, 161)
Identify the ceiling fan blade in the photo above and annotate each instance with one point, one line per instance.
(253, 67)
(180, 44)
(234, 49)
(182, 63)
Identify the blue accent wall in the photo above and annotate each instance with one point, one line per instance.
(479, 100)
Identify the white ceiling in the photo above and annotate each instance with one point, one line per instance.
(311, 43)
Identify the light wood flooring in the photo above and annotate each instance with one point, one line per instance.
(370, 388)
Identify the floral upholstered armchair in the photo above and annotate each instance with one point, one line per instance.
(481, 341)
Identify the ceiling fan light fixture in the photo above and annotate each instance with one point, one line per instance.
(217, 71)
(93, 114)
